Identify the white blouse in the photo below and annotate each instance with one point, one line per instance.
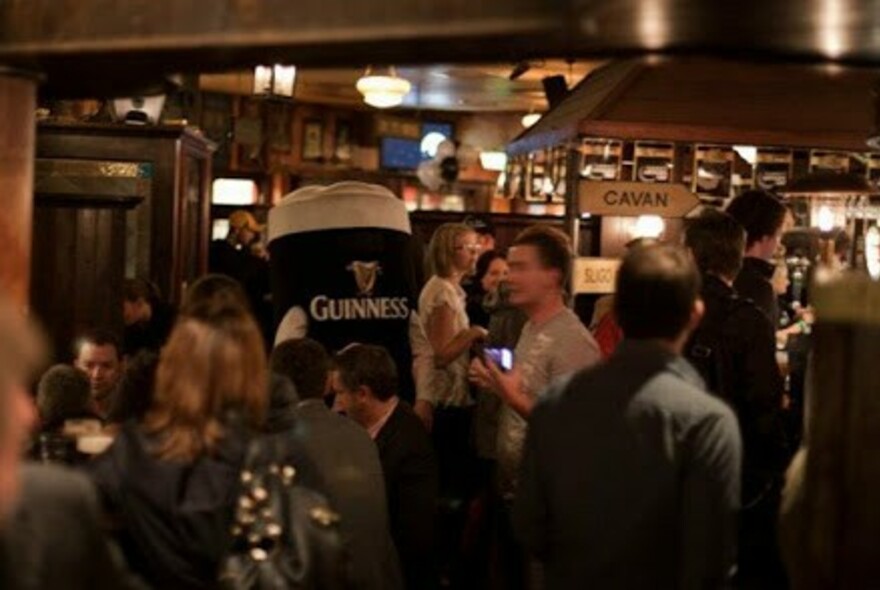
(447, 386)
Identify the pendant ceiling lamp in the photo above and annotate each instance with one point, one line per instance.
(383, 91)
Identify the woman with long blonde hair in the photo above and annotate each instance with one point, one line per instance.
(452, 256)
(170, 483)
(442, 356)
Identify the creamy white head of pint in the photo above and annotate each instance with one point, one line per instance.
(338, 206)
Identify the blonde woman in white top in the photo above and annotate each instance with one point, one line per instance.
(444, 401)
(442, 355)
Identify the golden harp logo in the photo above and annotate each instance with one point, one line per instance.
(365, 274)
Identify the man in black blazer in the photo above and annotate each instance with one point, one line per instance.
(347, 462)
(365, 382)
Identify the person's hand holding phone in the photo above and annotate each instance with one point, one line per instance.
(487, 374)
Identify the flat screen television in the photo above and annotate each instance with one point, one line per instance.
(397, 153)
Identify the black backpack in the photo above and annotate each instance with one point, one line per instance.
(285, 536)
(707, 351)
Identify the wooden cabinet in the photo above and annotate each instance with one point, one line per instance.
(113, 202)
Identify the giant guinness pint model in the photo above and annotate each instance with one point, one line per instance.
(343, 268)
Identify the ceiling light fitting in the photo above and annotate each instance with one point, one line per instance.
(383, 91)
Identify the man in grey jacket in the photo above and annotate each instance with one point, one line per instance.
(348, 462)
(631, 471)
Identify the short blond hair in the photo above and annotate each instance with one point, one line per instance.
(441, 250)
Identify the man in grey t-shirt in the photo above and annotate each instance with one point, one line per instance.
(553, 343)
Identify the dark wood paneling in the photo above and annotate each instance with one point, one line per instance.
(79, 261)
(77, 268)
(159, 217)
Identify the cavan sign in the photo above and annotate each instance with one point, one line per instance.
(631, 199)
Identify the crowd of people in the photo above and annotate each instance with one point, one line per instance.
(530, 456)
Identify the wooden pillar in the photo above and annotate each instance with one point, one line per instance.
(830, 517)
(18, 100)
(572, 203)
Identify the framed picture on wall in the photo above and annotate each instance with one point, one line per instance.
(538, 169)
(313, 140)
(827, 161)
(713, 170)
(278, 117)
(559, 175)
(653, 162)
(773, 168)
(342, 145)
(601, 159)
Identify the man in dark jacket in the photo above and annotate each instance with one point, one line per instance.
(651, 500)
(365, 382)
(348, 463)
(735, 351)
(148, 319)
(55, 541)
(765, 220)
(237, 257)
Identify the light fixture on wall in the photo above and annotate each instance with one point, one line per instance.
(278, 81)
(530, 119)
(749, 153)
(825, 219)
(234, 191)
(649, 226)
(494, 161)
(383, 91)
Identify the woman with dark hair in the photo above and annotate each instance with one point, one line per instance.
(482, 293)
(170, 483)
(64, 405)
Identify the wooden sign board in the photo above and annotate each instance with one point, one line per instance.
(594, 275)
(631, 199)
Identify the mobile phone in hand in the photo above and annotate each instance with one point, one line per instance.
(503, 357)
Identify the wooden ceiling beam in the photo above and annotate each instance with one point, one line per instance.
(100, 46)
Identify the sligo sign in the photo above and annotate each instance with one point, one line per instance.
(631, 199)
(594, 275)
